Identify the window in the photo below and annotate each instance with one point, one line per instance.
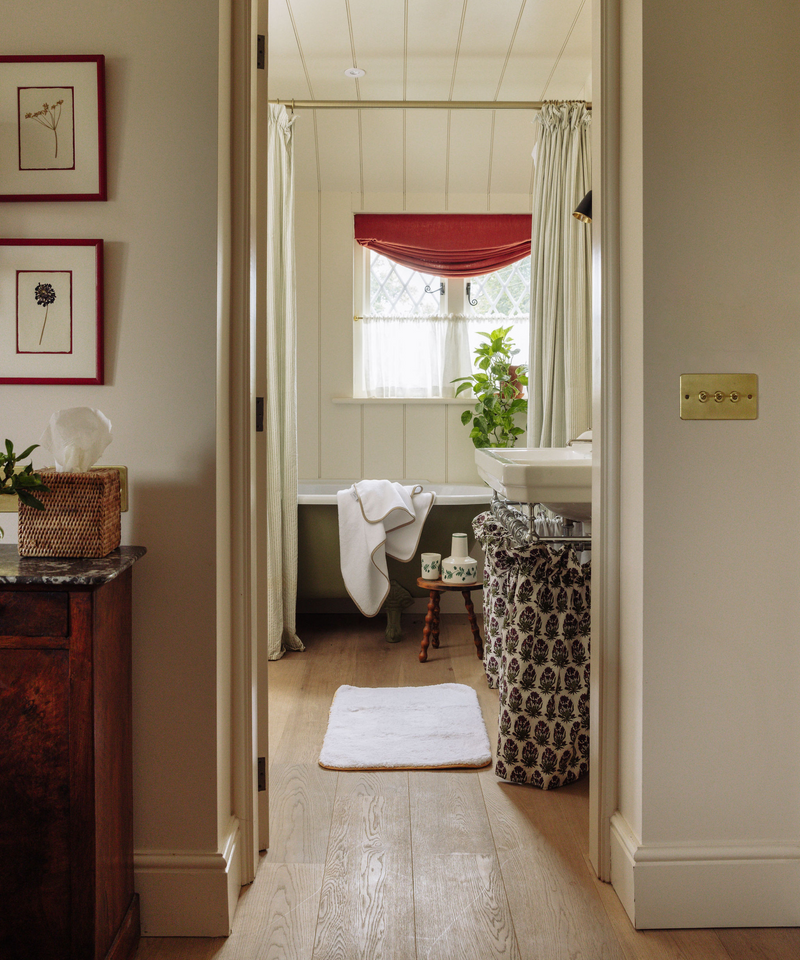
(418, 331)
(425, 286)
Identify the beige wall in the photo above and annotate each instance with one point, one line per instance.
(711, 282)
(339, 441)
(160, 232)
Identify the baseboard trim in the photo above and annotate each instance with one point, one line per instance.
(189, 893)
(692, 885)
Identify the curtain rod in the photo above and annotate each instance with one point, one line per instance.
(421, 104)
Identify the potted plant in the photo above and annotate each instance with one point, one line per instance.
(17, 480)
(497, 384)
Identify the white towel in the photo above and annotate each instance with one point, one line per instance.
(377, 518)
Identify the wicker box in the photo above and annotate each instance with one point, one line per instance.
(81, 517)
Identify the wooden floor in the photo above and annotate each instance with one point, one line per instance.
(435, 865)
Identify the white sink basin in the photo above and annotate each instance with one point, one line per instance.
(558, 477)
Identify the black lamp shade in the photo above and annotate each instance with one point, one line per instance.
(584, 210)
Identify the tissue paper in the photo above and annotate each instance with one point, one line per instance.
(77, 438)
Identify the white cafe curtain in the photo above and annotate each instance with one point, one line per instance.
(280, 401)
(415, 356)
(560, 377)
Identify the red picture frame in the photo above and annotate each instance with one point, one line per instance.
(52, 128)
(51, 324)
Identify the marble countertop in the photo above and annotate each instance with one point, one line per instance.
(64, 571)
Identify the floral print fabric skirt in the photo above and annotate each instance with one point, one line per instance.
(536, 652)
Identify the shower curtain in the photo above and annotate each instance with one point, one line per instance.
(280, 401)
(536, 652)
(560, 377)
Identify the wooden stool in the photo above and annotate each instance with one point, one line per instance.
(430, 635)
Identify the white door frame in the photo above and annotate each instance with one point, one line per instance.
(604, 702)
(247, 126)
(240, 471)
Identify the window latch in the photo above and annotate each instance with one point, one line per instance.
(440, 291)
(472, 303)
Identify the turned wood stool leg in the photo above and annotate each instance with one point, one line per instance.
(435, 630)
(473, 623)
(426, 633)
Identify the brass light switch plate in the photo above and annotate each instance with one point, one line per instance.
(719, 396)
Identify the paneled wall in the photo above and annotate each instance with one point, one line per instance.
(340, 438)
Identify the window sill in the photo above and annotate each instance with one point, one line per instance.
(394, 401)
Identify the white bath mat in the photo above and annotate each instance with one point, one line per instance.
(405, 728)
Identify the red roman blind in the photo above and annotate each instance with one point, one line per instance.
(447, 244)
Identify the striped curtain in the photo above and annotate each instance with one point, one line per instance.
(560, 377)
(280, 402)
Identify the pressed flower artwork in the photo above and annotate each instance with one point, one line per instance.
(46, 128)
(44, 311)
(52, 128)
(52, 328)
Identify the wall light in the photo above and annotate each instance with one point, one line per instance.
(584, 209)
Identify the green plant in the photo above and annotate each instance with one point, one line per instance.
(20, 480)
(496, 385)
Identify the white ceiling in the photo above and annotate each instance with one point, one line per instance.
(424, 50)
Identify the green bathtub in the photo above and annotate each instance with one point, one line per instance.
(319, 574)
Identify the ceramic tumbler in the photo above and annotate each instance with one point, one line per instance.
(459, 546)
(431, 565)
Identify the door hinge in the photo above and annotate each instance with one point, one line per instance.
(262, 774)
(259, 414)
(261, 54)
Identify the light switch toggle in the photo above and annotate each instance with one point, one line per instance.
(719, 396)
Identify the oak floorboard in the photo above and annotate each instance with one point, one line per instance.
(366, 905)
(331, 656)
(373, 783)
(557, 913)
(558, 907)
(285, 676)
(180, 948)
(448, 815)
(461, 908)
(301, 806)
(277, 916)
(773, 943)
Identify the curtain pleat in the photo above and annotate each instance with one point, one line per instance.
(560, 384)
(280, 401)
(448, 244)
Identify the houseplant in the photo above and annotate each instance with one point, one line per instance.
(20, 480)
(496, 384)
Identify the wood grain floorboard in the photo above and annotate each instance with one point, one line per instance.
(285, 678)
(180, 948)
(275, 919)
(301, 806)
(366, 905)
(428, 865)
(461, 907)
(557, 914)
(778, 943)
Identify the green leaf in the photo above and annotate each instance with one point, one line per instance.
(29, 500)
(28, 452)
(466, 416)
(10, 449)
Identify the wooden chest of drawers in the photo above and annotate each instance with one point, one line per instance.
(66, 821)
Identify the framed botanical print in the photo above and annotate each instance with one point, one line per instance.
(52, 128)
(51, 311)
